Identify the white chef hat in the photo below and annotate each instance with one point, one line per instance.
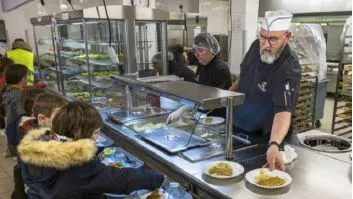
(278, 20)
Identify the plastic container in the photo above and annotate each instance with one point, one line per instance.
(174, 191)
(320, 99)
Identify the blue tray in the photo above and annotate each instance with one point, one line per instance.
(108, 142)
(138, 194)
(126, 159)
(121, 156)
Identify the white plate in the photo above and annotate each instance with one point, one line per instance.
(251, 177)
(237, 169)
(164, 195)
(215, 120)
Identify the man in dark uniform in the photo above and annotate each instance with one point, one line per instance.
(211, 71)
(270, 76)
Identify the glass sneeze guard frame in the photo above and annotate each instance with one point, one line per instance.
(48, 58)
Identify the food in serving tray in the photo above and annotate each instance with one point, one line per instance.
(47, 56)
(344, 115)
(208, 120)
(148, 126)
(265, 179)
(102, 74)
(108, 152)
(93, 56)
(221, 169)
(307, 69)
(155, 195)
(116, 164)
(345, 84)
(83, 96)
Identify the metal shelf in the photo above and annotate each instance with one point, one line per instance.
(303, 115)
(345, 133)
(342, 120)
(343, 127)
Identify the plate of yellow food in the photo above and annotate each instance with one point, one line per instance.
(156, 194)
(265, 178)
(223, 169)
(212, 120)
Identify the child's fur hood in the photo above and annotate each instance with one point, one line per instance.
(53, 153)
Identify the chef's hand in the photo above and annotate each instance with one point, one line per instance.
(174, 116)
(274, 158)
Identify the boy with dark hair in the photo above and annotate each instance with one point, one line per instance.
(16, 81)
(16, 78)
(39, 106)
(4, 61)
(45, 106)
(27, 99)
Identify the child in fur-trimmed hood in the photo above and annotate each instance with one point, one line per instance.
(62, 163)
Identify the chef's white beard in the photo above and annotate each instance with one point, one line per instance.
(268, 58)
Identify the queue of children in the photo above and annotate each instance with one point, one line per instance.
(54, 142)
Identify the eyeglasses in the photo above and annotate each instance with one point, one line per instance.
(198, 50)
(271, 40)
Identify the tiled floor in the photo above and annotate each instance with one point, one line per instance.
(6, 173)
(6, 164)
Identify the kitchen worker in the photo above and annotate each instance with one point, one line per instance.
(21, 53)
(211, 71)
(269, 76)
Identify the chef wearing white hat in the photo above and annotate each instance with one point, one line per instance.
(269, 77)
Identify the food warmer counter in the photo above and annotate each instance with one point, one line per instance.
(307, 170)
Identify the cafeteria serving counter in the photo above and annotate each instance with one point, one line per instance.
(314, 175)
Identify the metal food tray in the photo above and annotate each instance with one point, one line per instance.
(123, 115)
(172, 139)
(136, 124)
(97, 83)
(201, 130)
(67, 71)
(215, 148)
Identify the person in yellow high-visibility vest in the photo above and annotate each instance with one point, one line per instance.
(21, 53)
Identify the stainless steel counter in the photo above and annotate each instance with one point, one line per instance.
(314, 175)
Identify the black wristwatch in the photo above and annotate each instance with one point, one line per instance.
(274, 143)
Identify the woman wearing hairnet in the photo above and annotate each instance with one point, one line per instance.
(212, 71)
